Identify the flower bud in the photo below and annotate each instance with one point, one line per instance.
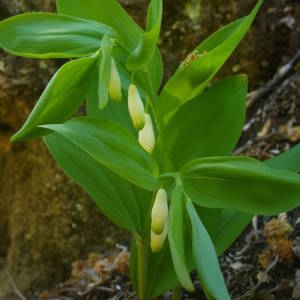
(159, 213)
(146, 135)
(157, 240)
(114, 88)
(136, 107)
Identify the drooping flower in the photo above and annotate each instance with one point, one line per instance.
(136, 107)
(159, 213)
(114, 88)
(157, 240)
(146, 135)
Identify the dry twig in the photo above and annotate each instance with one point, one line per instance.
(279, 76)
(260, 281)
(16, 290)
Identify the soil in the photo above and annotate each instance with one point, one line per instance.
(46, 222)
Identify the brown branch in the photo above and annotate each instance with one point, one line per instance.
(275, 81)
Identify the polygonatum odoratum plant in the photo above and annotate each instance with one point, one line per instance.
(157, 160)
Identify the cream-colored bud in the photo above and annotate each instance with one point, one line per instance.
(159, 213)
(114, 88)
(157, 240)
(136, 107)
(146, 135)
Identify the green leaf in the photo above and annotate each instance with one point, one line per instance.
(205, 258)
(210, 217)
(61, 98)
(289, 160)
(231, 224)
(192, 78)
(48, 35)
(213, 126)
(222, 225)
(129, 33)
(242, 184)
(104, 71)
(176, 233)
(125, 204)
(143, 53)
(113, 147)
(102, 11)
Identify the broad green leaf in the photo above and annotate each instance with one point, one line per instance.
(129, 33)
(205, 258)
(48, 35)
(231, 224)
(125, 204)
(143, 53)
(113, 147)
(197, 71)
(61, 98)
(289, 160)
(104, 71)
(222, 225)
(105, 11)
(176, 233)
(242, 184)
(210, 217)
(208, 125)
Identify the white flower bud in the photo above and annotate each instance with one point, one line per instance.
(114, 88)
(157, 240)
(159, 213)
(136, 107)
(146, 135)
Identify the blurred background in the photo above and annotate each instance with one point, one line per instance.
(46, 221)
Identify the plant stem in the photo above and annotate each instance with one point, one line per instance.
(142, 268)
(176, 293)
(153, 99)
